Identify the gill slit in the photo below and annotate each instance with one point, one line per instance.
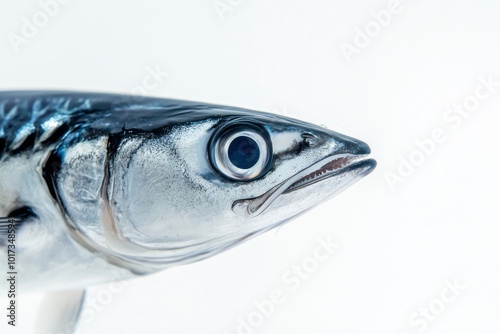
(135, 267)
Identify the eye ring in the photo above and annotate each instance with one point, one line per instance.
(241, 152)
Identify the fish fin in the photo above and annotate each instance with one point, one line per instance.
(60, 312)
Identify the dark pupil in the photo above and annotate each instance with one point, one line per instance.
(243, 152)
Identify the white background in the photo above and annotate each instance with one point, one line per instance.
(398, 247)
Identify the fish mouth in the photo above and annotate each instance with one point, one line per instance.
(333, 167)
(324, 169)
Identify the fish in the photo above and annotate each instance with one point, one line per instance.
(107, 187)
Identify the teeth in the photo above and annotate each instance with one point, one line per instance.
(332, 166)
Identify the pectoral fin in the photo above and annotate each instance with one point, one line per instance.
(60, 311)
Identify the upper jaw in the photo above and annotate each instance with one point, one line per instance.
(325, 168)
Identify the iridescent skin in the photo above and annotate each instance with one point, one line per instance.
(113, 186)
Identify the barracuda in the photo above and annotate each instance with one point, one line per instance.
(108, 186)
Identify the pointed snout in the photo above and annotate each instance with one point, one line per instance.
(350, 145)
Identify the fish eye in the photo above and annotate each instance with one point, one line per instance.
(241, 152)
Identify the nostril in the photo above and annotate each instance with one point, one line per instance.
(310, 139)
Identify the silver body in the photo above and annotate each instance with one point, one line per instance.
(117, 196)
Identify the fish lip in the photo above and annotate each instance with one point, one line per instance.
(338, 163)
(345, 163)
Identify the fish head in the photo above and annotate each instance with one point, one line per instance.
(152, 188)
(199, 187)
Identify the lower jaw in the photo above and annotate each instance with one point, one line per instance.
(367, 164)
(327, 169)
